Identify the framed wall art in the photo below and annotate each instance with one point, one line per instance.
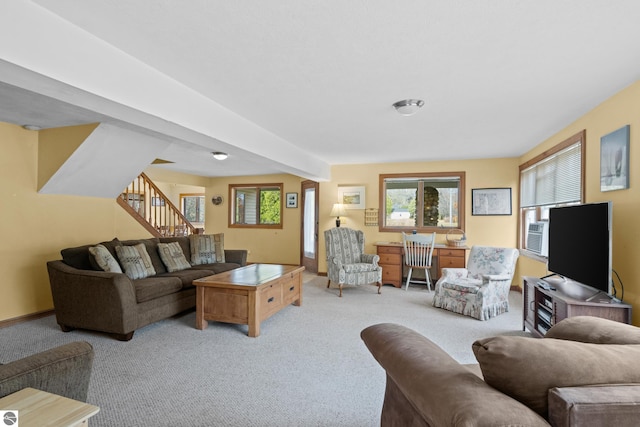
(351, 197)
(491, 201)
(614, 160)
(292, 200)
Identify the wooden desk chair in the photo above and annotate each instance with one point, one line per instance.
(418, 251)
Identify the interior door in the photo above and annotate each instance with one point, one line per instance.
(309, 226)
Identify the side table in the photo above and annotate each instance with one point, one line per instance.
(39, 408)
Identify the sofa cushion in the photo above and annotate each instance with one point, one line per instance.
(188, 276)
(218, 267)
(527, 368)
(206, 248)
(594, 330)
(135, 261)
(104, 259)
(152, 249)
(155, 287)
(172, 256)
(183, 241)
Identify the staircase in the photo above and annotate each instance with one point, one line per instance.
(153, 210)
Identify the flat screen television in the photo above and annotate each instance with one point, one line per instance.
(580, 239)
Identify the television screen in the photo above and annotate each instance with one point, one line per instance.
(580, 244)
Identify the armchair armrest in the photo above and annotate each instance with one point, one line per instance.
(494, 277)
(370, 258)
(609, 404)
(64, 370)
(454, 273)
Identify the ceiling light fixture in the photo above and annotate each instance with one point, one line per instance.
(219, 155)
(407, 107)
(31, 127)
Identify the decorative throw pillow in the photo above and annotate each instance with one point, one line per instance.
(104, 259)
(207, 248)
(595, 330)
(172, 256)
(136, 261)
(527, 368)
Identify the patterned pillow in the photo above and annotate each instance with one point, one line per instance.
(136, 261)
(172, 256)
(207, 248)
(104, 259)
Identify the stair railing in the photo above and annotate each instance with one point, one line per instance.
(153, 210)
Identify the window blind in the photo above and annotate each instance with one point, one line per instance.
(554, 180)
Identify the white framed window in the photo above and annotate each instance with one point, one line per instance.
(554, 178)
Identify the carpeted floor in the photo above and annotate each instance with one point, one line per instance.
(308, 367)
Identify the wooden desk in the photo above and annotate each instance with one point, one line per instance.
(39, 408)
(392, 266)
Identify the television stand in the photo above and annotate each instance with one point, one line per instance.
(544, 306)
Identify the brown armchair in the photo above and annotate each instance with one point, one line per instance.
(63, 370)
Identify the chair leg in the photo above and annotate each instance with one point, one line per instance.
(408, 279)
(328, 283)
(379, 288)
(428, 276)
(340, 285)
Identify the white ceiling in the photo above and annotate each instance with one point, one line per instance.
(297, 85)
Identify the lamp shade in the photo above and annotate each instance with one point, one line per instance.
(338, 210)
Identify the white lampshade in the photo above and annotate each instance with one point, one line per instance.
(338, 210)
(407, 107)
(218, 155)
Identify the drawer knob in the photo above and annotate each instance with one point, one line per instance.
(270, 299)
(292, 288)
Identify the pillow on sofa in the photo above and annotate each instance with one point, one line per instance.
(527, 368)
(136, 261)
(206, 248)
(594, 330)
(104, 259)
(172, 256)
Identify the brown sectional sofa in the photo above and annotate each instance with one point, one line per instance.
(86, 297)
(583, 373)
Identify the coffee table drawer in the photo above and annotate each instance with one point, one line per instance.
(290, 290)
(270, 299)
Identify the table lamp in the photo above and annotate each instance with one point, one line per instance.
(338, 210)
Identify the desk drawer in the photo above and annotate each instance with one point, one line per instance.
(389, 250)
(448, 252)
(390, 259)
(451, 262)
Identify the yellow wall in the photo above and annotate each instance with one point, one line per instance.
(279, 246)
(619, 110)
(34, 227)
(487, 230)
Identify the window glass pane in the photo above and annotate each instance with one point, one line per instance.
(193, 208)
(256, 205)
(426, 202)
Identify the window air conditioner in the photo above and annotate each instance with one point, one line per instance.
(538, 238)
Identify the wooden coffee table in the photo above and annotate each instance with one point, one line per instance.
(247, 295)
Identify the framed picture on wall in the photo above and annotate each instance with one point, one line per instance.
(351, 197)
(491, 201)
(614, 160)
(292, 200)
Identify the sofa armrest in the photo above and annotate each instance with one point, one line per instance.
(64, 370)
(90, 299)
(424, 382)
(609, 404)
(237, 256)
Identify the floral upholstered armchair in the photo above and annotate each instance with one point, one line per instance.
(482, 289)
(347, 264)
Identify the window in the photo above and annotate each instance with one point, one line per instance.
(425, 202)
(193, 207)
(554, 178)
(255, 205)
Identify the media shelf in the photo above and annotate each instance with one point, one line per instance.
(542, 308)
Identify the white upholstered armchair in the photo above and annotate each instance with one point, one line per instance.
(482, 289)
(347, 264)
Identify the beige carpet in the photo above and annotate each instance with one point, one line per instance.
(308, 367)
